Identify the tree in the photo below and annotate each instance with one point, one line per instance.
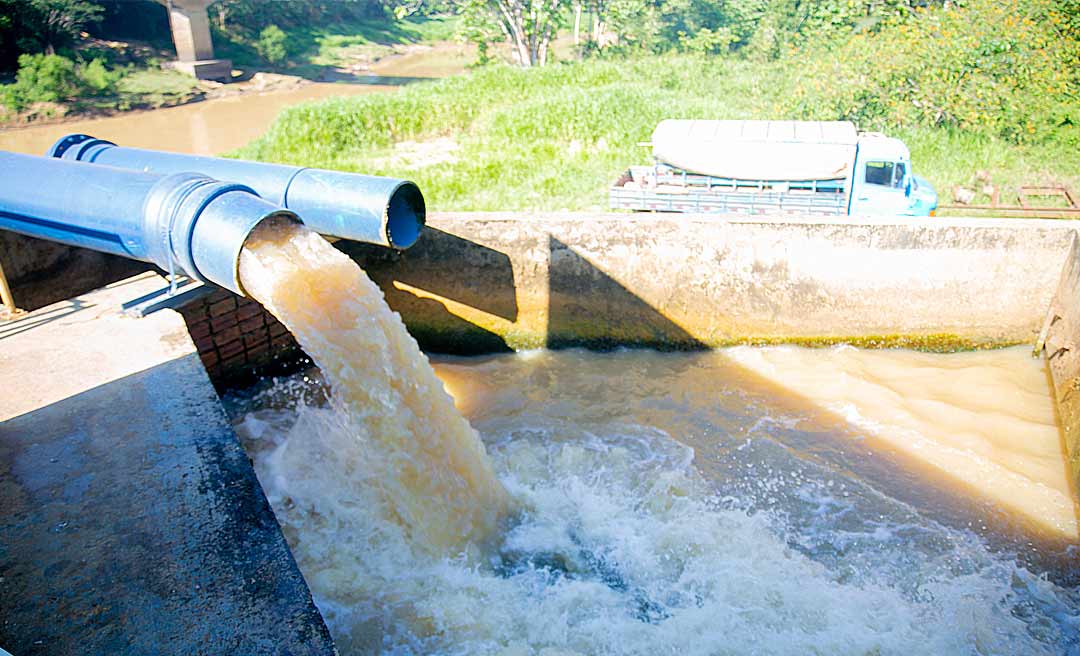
(59, 22)
(527, 25)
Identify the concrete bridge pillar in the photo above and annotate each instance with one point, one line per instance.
(191, 34)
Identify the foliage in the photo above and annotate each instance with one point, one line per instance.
(271, 45)
(528, 26)
(98, 79)
(34, 26)
(1003, 68)
(42, 78)
(556, 137)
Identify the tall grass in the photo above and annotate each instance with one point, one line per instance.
(555, 138)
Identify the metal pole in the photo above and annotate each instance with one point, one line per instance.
(5, 293)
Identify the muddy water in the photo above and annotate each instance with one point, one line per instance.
(203, 128)
(221, 125)
(693, 504)
(402, 439)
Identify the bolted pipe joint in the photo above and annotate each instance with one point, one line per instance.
(184, 222)
(198, 225)
(374, 209)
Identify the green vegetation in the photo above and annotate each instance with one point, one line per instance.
(59, 69)
(555, 137)
(56, 81)
(271, 45)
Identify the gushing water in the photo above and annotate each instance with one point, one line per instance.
(427, 464)
(662, 503)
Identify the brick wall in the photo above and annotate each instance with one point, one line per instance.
(238, 340)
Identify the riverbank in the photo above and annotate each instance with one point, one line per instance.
(99, 78)
(242, 112)
(555, 138)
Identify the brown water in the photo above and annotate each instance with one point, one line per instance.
(221, 125)
(427, 465)
(211, 127)
(697, 504)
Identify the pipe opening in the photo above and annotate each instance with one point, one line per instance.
(405, 216)
(269, 224)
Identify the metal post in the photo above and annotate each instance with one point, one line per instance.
(5, 293)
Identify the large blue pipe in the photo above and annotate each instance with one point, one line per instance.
(184, 222)
(365, 208)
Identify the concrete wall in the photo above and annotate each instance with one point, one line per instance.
(484, 282)
(1060, 340)
(43, 272)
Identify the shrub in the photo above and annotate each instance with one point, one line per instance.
(42, 78)
(272, 45)
(1000, 68)
(99, 80)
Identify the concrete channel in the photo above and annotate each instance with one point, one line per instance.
(132, 519)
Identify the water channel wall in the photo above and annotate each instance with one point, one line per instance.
(489, 282)
(481, 283)
(1061, 335)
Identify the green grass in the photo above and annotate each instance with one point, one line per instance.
(555, 138)
(313, 47)
(156, 82)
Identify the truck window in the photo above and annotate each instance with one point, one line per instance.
(879, 173)
(899, 173)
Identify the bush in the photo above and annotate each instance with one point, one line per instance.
(42, 78)
(1000, 68)
(52, 78)
(271, 45)
(99, 80)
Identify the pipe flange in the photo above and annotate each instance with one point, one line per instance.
(61, 148)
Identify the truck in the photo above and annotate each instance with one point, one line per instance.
(824, 168)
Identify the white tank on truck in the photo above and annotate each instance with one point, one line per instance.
(774, 167)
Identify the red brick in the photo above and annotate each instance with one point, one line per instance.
(252, 324)
(194, 312)
(219, 294)
(249, 310)
(209, 358)
(199, 330)
(283, 342)
(252, 340)
(227, 335)
(260, 357)
(217, 324)
(278, 329)
(233, 361)
(204, 344)
(230, 350)
(223, 306)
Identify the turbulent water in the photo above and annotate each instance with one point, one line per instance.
(421, 459)
(659, 503)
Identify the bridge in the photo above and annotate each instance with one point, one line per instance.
(194, 47)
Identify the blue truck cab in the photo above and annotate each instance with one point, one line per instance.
(883, 181)
(823, 168)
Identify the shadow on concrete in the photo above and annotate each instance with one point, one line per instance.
(589, 308)
(59, 272)
(133, 523)
(24, 322)
(484, 280)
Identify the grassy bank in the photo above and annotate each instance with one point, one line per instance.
(98, 77)
(310, 50)
(555, 138)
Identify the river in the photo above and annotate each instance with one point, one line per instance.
(217, 126)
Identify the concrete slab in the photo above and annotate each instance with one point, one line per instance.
(492, 281)
(130, 518)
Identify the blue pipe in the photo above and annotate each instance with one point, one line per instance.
(184, 222)
(365, 208)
